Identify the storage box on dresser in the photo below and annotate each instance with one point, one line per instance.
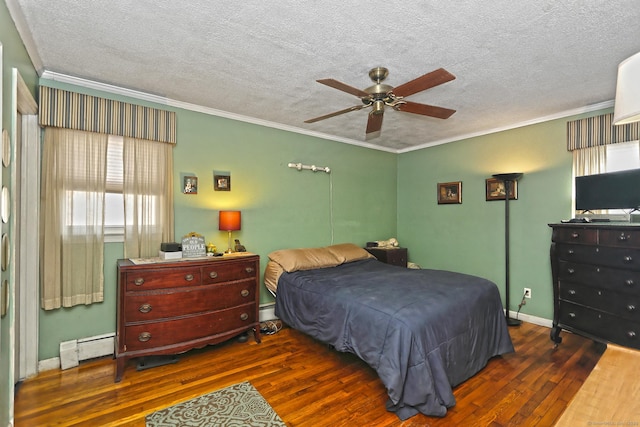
(172, 307)
(596, 281)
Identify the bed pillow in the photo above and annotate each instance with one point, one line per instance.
(349, 252)
(305, 259)
(272, 273)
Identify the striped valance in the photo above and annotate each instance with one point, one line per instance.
(599, 130)
(65, 109)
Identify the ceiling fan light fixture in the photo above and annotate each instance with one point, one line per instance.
(381, 94)
(378, 107)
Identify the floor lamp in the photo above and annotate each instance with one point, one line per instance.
(509, 179)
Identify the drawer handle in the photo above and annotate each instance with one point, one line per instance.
(244, 316)
(572, 315)
(629, 282)
(631, 334)
(572, 292)
(145, 308)
(570, 270)
(249, 270)
(244, 292)
(570, 252)
(139, 281)
(188, 277)
(144, 336)
(213, 274)
(623, 237)
(628, 259)
(631, 307)
(575, 235)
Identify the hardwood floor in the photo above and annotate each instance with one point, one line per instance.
(310, 384)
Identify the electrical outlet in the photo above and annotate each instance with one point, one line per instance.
(527, 292)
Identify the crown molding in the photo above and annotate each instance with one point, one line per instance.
(25, 34)
(157, 99)
(560, 115)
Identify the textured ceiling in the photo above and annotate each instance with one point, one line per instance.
(515, 62)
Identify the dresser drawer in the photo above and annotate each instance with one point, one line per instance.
(225, 271)
(584, 236)
(150, 306)
(619, 280)
(620, 238)
(161, 279)
(599, 324)
(600, 255)
(622, 305)
(163, 333)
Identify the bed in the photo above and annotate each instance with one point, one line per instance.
(423, 331)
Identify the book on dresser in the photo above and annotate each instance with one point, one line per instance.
(596, 281)
(169, 307)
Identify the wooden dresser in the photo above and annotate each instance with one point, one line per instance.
(596, 281)
(393, 256)
(171, 307)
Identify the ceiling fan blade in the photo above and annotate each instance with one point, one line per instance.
(429, 80)
(336, 113)
(374, 124)
(343, 87)
(425, 110)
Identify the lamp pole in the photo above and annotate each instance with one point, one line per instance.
(508, 179)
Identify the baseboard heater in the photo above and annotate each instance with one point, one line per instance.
(75, 351)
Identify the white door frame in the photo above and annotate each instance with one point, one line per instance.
(25, 189)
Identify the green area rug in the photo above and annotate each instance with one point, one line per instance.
(237, 405)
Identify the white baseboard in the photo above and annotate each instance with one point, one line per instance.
(540, 321)
(49, 364)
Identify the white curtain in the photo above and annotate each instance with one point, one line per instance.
(72, 217)
(148, 196)
(589, 161)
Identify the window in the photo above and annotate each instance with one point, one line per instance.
(113, 197)
(606, 158)
(623, 156)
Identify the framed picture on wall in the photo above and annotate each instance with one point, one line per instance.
(222, 182)
(449, 192)
(495, 189)
(190, 185)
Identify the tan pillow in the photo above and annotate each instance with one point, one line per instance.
(272, 273)
(349, 252)
(305, 259)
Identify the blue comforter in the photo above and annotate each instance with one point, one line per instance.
(423, 331)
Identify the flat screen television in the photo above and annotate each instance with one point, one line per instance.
(613, 190)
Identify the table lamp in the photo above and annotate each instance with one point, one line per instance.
(229, 221)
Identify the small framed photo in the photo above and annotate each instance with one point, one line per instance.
(449, 192)
(190, 185)
(222, 182)
(496, 189)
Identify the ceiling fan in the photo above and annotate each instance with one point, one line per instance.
(380, 95)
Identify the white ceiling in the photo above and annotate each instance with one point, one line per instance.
(516, 61)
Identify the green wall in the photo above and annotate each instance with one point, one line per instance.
(14, 55)
(470, 237)
(281, 207)
(369, 195)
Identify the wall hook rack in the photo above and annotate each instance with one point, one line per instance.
(313, 168)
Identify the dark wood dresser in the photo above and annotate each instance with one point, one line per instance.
(170, 307)
(393, 256)
(596, 281)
